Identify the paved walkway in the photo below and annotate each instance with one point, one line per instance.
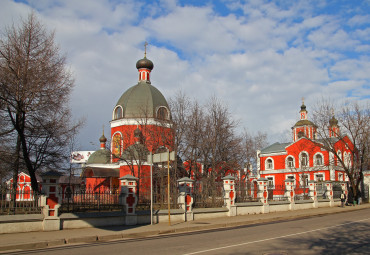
(33, 240)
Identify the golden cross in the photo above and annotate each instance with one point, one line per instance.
(145, 44)
(302, 100)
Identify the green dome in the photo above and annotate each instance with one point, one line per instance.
(142, 100)
(101, 156)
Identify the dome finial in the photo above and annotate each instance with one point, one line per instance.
(302, 100)
(145, 44)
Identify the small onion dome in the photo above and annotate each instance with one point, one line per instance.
(303, 107)
(137, 133)
(333, 121)
(103, 139)
(144, 63)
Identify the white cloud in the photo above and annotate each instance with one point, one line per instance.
(260, 63)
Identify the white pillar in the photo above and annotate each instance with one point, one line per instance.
(229, 198)
(128, 198)
(263, 194)
(185, 198)
(329, 192)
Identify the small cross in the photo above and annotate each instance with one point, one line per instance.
(145, 44)
(302, 100)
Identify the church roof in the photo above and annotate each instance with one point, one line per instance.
(101, 156)
(304, 123)
(100, 172)
(275, 148)
(141, 100)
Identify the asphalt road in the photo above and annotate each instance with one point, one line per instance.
(342, 233)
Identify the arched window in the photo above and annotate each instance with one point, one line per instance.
(118, 113)
(269, 164)
(117, 145)
(289, 162)
(304, 159)
(331, 158)
(339, 153)
(319, 161)
(162, 113)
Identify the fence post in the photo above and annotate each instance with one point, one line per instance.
(329, 192)
(50, 200)
(185, 198)
(229, 196)
(263, 194)
(289, 192)
(128, 198)
(312, 192)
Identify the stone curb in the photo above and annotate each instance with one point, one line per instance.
(111, 237)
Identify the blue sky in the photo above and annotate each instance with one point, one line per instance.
(259, 57)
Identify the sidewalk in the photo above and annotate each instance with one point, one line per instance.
(33, 240)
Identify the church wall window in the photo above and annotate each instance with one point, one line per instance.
(303, 158)
(162, 113)
(318, 159)
(269, 164)
(290, 162)
(339, 153)
(117, 144)
(270, 182)
(118, 112)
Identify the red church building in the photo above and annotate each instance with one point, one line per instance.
(141, 124)
(304, 158)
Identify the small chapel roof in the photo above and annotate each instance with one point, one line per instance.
(275, 148)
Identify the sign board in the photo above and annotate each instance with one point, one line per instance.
(161, 157)
(80, 157)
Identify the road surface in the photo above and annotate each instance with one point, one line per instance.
(342, 233)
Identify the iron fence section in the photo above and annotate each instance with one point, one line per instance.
(276, 193)
(24, 203)
(160, 195)
(91, 199)
(320, 190)
(208, 194)
(244, 192)
(301, 192)
(337, 190)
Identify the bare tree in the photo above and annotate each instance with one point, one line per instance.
(353, 120)
(35, 89)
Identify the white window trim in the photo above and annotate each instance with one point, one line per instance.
(168, 112)
(273, 165)
(331, 158)
(273, 181)
(342, 175)
(300, 178)
(114, 111)
(286, 162)
(300, 159)
(319, 173)
(322, 158)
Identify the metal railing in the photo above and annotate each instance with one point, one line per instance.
(90, 199)
(19, 202)
(208, 194)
